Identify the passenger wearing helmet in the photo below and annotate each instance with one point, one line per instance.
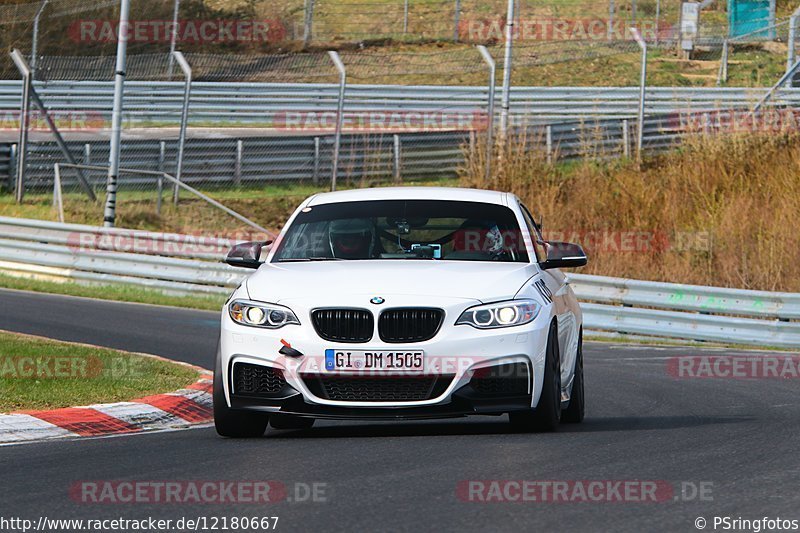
(352, 238)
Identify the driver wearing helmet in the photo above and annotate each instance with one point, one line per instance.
(352, 238)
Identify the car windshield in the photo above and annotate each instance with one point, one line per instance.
(403, 229)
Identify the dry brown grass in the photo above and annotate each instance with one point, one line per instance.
(726, 207)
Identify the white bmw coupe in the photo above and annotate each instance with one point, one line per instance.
(402, 303)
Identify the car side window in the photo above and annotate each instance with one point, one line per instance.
(534, 232)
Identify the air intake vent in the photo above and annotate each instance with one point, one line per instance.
(257, 380)
(377, 388)
(409, 325)
(343, 325)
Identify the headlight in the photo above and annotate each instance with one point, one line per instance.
(500, 315)
(261, 315)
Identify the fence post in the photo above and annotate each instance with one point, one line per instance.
(87, 157)
(723, 64)
(339, 115)
(237, 165)
(110, 211)
(187, 93)
(507, 71)
(642, 87)
(658, 19)
(398, 177)
(791, 56)
(58, 199)
(173, 38)
(315, 175)
(626, 139)
(308, 23)
(24, 123)
(405, 17)
(162, 154)
(487, 57)
(610, 26)
(35, 41)
(548, 138)
(456, 18)
(12, 166)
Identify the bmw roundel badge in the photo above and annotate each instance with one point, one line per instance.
(377, 300)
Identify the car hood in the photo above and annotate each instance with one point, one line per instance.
(473, 280)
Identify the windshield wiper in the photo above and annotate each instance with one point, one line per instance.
(306, 259)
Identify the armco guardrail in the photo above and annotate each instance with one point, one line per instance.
(236, 104)
(667, 310)
(423, 155)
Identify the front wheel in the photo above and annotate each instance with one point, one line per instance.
(575, 413)
(230, 422)
(547, 415)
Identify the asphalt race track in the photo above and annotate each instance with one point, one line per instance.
(738, 437)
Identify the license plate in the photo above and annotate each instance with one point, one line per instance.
(373, 361)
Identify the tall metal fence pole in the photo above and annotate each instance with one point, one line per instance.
(507, 71)
(456, 20)
(173, 38)
(642, 88)
(487, 57)
(791, 55)
(35, 40)
(337, 141)
(110, 211)
(405, 17)
(610, 26)
(24, 123)
(658, 20)
(187, 93)
(308, 23)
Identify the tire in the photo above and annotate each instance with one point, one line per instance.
(547, 415)
(282, 421)
(231, 422)
(575, 413)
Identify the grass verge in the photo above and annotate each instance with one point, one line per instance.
(116, 292)
(37, 373)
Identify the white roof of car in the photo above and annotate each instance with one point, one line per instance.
(411, 193)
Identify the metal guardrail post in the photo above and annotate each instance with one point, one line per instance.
(339, 116)
(24, 124)
(12, 166)
(548, 141)
(110, 211)
(162, 155)
(397, 159)
(187, 93)
(626, 138)
(237, 164)
(642, 88)
(315, 174)
(58, 198)
(487, 57)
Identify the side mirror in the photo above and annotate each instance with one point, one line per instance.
(564, 255)
(246, 254)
